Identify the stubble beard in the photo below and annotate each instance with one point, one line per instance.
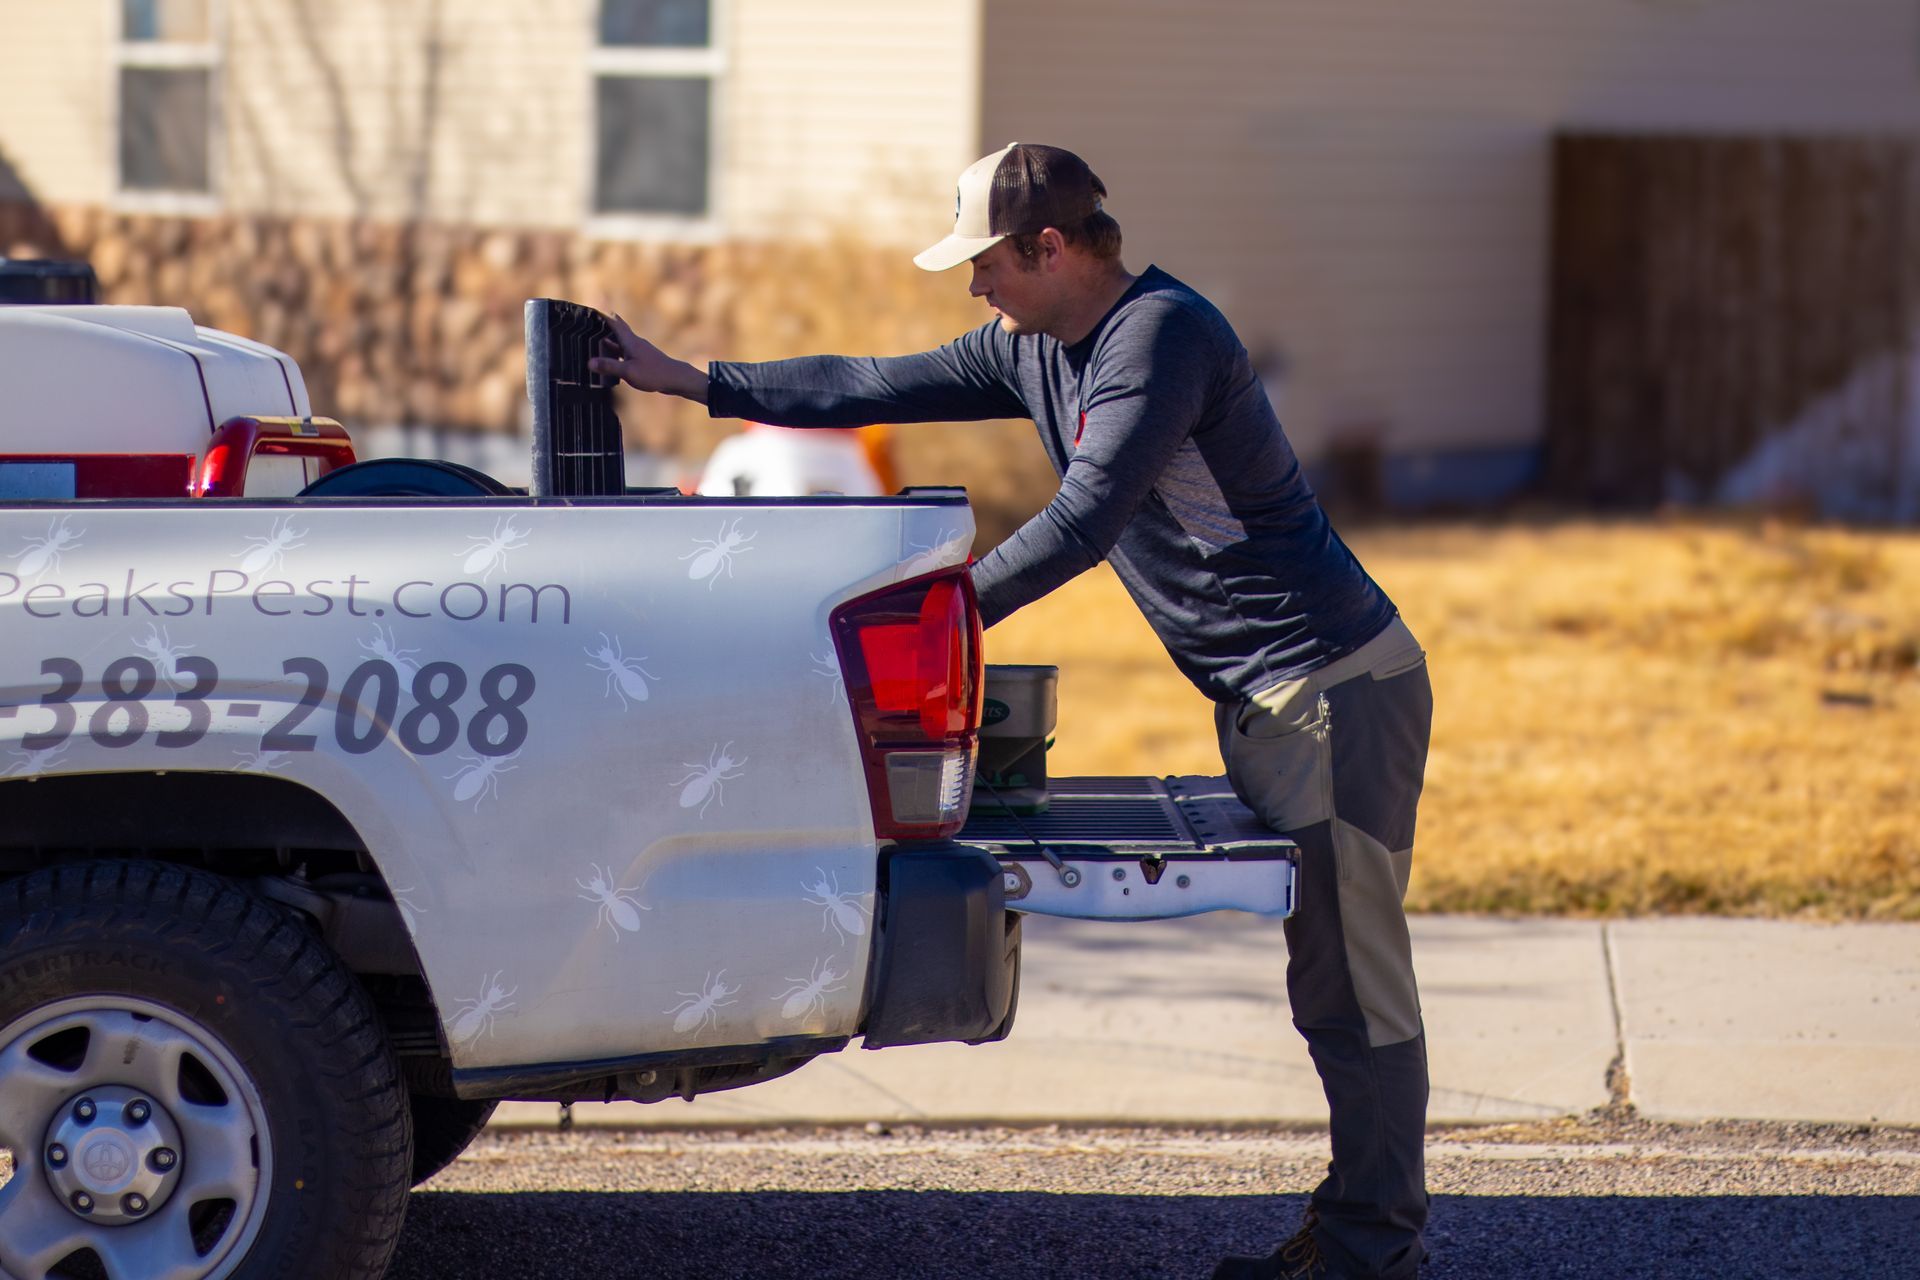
(1016, 327)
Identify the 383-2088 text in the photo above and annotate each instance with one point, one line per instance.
(366, 707)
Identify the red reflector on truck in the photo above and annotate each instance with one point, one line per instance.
(911, 656)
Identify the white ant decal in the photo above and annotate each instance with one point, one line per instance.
(619, 908)
(261, 761)
(484, 555)
(386, 647)
(159, 649)
(700, 1009)
(712, 558)
(827, 666)
(480, 780)
(475, 1018)
(807, 998)
(409, 913)
(32, 762)
(626, 678)
(43, 554)
(702, 786)
(270, 552)
(839, 911)
(949, 547)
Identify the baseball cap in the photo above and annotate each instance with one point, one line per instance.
(1020, 189)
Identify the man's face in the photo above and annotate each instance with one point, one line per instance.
(1022, 295)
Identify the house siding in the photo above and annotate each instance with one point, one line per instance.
(838, 116)
(850, 118)
(56, 87)
(471, 113)
(1364, 187)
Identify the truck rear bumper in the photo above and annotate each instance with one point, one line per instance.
(1136, 849)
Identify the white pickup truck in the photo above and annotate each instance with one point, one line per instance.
(329, 819)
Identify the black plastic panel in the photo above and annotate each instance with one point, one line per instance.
(1103, 786)
(557, 1081)
(1142, 820)
(578, 448)
(948, 953)
(404, 478)
(47, 281)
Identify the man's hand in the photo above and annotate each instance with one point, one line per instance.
(645, 367)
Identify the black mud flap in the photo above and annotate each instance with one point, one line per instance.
(948, 952)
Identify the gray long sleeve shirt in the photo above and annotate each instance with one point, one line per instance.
(1172, 467)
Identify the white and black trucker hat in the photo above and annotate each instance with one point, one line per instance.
(1018, 190)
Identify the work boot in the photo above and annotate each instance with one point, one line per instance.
(1298, 1258)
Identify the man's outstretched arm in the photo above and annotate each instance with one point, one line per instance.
(964, 380)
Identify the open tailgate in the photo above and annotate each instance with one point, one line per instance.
(1136, 849)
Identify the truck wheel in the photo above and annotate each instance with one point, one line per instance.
(442, 1128)
(191, 1085)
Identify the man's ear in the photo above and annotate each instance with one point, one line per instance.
(1053, 248)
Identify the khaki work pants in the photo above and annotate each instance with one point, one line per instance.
(1334, 761)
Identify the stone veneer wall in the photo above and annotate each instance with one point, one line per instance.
(421, 323)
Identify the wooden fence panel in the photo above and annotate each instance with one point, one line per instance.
(1735, 318)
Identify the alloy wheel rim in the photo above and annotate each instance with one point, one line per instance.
(135, 1134)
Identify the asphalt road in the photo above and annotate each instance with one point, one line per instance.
(1594, 1198)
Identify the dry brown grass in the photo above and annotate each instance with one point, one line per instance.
(1630, 718)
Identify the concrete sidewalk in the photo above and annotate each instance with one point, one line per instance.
(1186, 1022)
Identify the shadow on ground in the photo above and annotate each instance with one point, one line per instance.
(937, 1235)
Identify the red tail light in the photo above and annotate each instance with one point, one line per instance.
(911, 655)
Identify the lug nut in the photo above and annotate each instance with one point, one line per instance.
(134, 1203)
(138, 1111)
(163, 1159)
(57, 1156)
(82, 1202)
(83, 1111)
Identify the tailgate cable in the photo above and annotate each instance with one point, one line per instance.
(1069, 876)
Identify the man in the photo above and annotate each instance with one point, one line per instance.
(1175, 470)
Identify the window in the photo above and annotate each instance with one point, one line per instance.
(167, 56)
(654, 68)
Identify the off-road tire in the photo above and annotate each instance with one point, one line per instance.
(252, 975)
(442, 1129)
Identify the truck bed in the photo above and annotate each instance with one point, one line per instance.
(1137, 848)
